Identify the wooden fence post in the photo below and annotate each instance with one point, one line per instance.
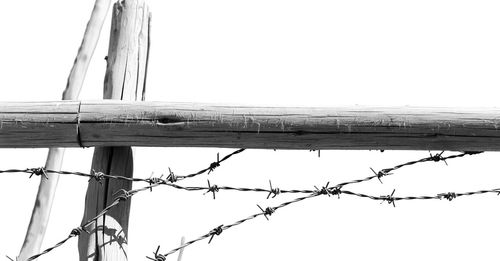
(47, 188)
(125, 80)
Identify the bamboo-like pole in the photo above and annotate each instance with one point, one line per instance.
(161, 124)
(125, 80)
(47, 188)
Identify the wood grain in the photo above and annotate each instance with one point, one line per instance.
(161, 124)
(47, 188)
(124, 80)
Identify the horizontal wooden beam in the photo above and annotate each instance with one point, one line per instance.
(162, 124)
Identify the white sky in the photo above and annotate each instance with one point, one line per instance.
(307, 53)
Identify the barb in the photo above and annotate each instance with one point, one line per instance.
(38, 172)
(267, 212)
(326, 190)
(273, 191)
(211, 188)
(389, 198)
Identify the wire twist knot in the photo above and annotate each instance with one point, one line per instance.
(216, 231)
(212, 188)
(172, 178)
(438, 157)
(273, 191)
(449, 196)
(125, 194)
(326, 190)
(157, 257)
(389, 198)
(214, 165)
(77, 232)
(336, 190)
(38, 172)
(97, 175)
(381, 173)
(267, 212)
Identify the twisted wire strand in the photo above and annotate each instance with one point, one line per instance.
(447, 195)
(212, 166)
(387, 171)
(99, 175)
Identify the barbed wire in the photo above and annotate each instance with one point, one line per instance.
(391, 199)
(218, 230)
(98, 176)
(387, 171)
(272, 191)
(78, 230)
(326, 190)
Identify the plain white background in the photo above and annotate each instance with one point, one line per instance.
(273, 52)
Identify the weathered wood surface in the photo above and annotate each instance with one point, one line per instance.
(47, 188)
(161, 124)
(124, 80)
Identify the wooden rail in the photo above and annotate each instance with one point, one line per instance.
(161, 124)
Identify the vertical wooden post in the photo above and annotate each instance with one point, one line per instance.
(125, 80)
(47, 188)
